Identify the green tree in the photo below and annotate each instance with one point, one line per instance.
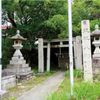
(85, 9)
(45, 18)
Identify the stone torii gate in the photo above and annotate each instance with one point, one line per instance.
(60, 44)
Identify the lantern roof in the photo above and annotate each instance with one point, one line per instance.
(96, 32)
(18, 36)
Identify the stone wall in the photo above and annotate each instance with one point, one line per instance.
(8, 81)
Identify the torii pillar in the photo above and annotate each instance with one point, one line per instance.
(40, 56)
(48, 57)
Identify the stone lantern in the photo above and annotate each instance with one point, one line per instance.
(18, 44)
(96, 42)
(18, 65)
(96, 54)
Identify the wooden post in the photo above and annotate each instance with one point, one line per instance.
(40, 55)
(78, 52)
(48, 57)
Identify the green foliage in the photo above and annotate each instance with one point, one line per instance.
(7, 51)
(85, 9)
(87, 91)
(12, 98)
(58, 22)
(93, 23)
(82, 90)
(77, 74)
(35, 18)
(47, 18)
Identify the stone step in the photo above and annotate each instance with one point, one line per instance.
(17, 62)
(17, 65)
(18, 70)
(17, 58)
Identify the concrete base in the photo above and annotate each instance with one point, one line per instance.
(3, 94)
(8, 82)
(96, 68)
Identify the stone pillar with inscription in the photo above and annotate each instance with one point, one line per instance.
(86, 44)
(96, 54)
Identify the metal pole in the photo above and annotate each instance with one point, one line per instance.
(0, 42)
(70, 44)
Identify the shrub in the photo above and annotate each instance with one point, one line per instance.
(77, 74)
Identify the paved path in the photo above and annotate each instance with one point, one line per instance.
(41, 91)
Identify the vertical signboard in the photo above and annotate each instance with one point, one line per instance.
(86, 44)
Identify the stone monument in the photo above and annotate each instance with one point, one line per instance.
(96, 54)
(17, 64)
(86, 45)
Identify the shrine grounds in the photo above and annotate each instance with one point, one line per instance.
(82, 90)
(24, 86)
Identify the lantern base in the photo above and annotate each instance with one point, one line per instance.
(96, 67)
(18, 67)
